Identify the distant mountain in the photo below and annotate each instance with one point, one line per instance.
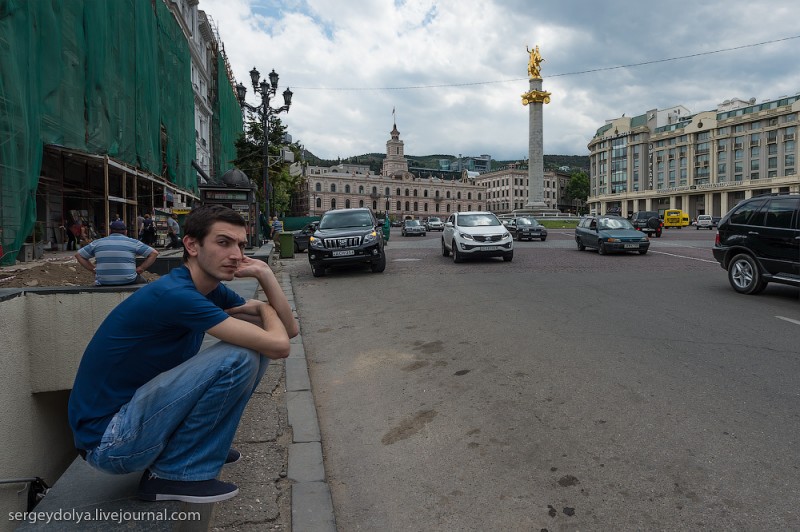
(375, 161)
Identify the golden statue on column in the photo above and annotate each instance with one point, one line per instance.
(535, 95)
(535, 63)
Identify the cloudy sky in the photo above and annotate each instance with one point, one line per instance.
(454, 70)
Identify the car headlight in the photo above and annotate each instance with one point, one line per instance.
(507, 235)
(465, 236)
(370, 237)
(315, 242)
(612, 239)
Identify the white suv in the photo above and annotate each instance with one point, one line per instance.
(434, 223)
(705, 221)
(476, 234)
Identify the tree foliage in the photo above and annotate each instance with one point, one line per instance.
(250, 160)
(578, 186)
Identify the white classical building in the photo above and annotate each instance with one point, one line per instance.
(507, 189)
(396, 190)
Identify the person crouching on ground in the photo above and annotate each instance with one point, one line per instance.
(147, 399)
(115, 257)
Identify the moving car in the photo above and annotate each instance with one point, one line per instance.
(705, 221)
(526, 228)
(758, 242)
(476, 234)
(412, 227)
(434, 223)
(610, 234)
(648, 222)
(302, 236)
(347, 236)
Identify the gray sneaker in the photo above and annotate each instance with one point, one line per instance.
(152, 488)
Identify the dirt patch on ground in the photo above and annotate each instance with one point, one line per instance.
(49, 273)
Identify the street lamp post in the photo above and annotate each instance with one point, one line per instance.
(264, 112)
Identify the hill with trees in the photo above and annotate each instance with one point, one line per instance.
(375, 161)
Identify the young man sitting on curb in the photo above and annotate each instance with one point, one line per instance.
(147, 399)
(115, 258)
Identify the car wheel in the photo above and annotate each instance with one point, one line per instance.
(456, 254)
(544, 238)
(697, 227)
(581, 247)
(658, 234)
(744, 275)
(296, 247)
(318, 270)
(423, 234)
(379, 265)
(445, 251)
(601, 248)
(508, 257)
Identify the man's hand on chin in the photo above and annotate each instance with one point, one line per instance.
(251, 267)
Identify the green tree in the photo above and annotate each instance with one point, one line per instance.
(578, 187)
(250, 160)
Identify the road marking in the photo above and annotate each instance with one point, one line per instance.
(796, 322)
(683, 256)
(404, 260)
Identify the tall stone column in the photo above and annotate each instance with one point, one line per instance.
(535, 98)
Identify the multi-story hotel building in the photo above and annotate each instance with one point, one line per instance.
(703, 163)
(396, 191)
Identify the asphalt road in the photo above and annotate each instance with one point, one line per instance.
(563, 391)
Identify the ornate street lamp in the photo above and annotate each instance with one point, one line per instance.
(264, 112)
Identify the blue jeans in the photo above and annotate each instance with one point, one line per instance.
(180, 425)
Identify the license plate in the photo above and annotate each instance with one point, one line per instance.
(490, 248)
(343, 252)
(631, 246)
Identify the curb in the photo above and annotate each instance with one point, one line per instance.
(312, 506)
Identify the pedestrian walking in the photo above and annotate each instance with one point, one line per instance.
(174, 232)
(115, 257)
(146, 398)
(148, 231)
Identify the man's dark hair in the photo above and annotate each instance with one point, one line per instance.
(198, 223)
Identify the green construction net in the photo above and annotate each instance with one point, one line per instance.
(227, 122)
(101, 76)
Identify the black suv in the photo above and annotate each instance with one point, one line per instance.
(347, 236)
(648, 222)
(758, 242)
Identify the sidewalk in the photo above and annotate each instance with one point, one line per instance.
(281, 476)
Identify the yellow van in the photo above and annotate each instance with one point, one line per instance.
(675, 218)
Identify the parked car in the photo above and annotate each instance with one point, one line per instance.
(476, 234)
(301, 236)
(526, 228)
(715, 220)
(758, 242)
(647, 222)
(397, 223)
(434, 223)
(610, 234)
(704, 221)
(347, 236)
(412, 227)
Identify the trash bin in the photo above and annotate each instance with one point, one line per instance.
(286, 241)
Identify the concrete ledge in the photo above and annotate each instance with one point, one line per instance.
(104, 502)
(312, 508)
(305, 462)
(297, 351)
(302, 416)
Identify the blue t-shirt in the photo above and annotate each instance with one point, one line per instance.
(152, 331)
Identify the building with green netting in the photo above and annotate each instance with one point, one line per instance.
(107, 109)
